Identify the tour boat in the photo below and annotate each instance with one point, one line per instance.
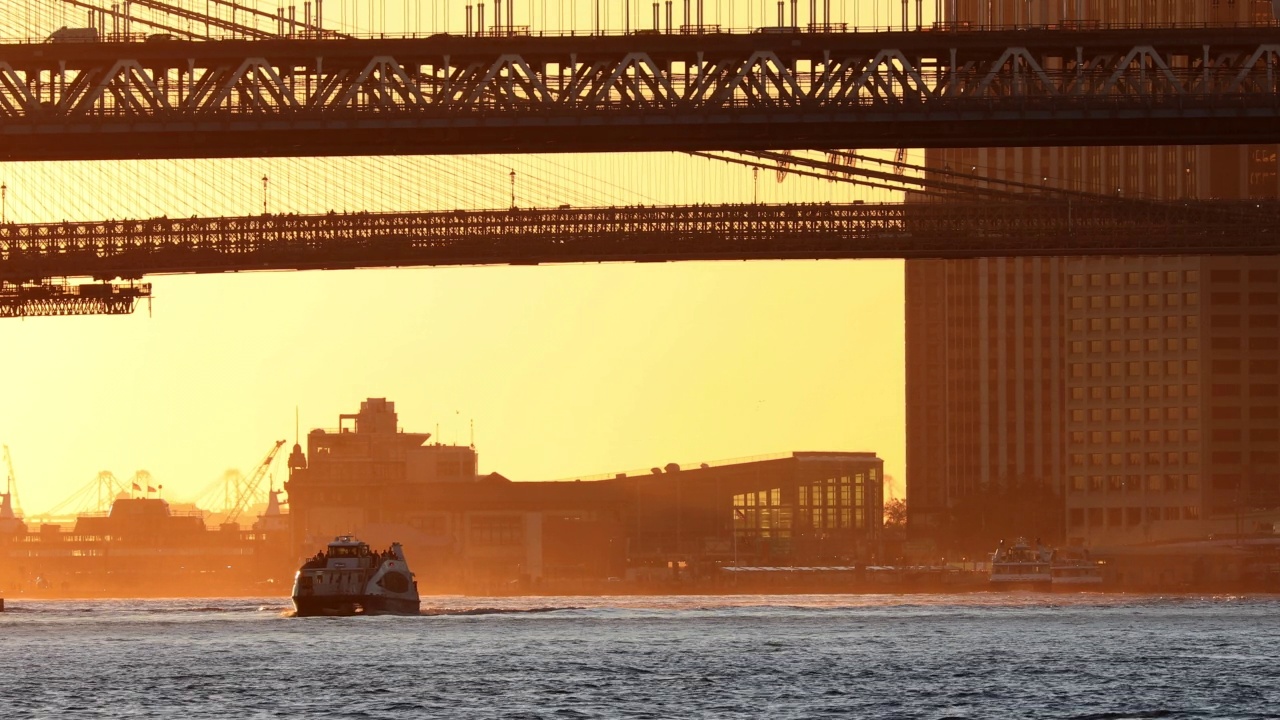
(1021, 565)
(350, 579)
(1075, 571)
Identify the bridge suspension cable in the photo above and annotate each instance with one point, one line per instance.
(802, 168)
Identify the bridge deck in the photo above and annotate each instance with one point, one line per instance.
(447, 94)
(133, 249)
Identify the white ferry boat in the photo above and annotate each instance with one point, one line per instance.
(1075, 570)
(1021, 565)
(350, 579)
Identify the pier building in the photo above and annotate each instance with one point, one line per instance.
(467, 530)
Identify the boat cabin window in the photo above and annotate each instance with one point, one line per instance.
(344, 552)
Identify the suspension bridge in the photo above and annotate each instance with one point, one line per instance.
(32, 257)
(445, 94)
(301, 89)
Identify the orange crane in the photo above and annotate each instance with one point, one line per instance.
(251, 486)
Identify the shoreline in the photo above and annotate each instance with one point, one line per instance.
(10, 599)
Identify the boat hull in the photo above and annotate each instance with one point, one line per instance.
(1014, 585)
(347, 605)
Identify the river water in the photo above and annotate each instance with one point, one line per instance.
(981, 655)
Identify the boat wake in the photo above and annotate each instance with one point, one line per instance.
(464, 612)
(220, 609)
(494, 611)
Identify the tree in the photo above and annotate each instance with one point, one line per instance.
(895, 514)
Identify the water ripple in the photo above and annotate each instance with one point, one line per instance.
(984, 655)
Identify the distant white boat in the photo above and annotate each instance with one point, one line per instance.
(1074, 569)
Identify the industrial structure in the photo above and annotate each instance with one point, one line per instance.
(114, 538)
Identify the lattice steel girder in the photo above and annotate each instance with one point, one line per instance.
(135, 248)
(58, 298)
(648, 92)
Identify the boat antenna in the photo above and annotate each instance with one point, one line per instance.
(295, 424)
(473, 432)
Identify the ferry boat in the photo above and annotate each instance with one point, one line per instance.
(1021, 565)
(1075, 571)
(350, 579)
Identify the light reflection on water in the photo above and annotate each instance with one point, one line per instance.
(975, 655)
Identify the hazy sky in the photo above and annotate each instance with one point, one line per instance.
(565, 371)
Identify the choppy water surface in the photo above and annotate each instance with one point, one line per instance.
(912, 656)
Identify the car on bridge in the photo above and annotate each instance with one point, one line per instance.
(70, 34)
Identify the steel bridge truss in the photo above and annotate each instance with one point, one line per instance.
(58, 298)
(449, 94)
(135, 248)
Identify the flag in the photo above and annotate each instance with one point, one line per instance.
(135, 486)
(150, 489)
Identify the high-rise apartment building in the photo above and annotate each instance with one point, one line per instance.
(1173, 371)
(1093, 400)
(986, 396)
(1016, 423)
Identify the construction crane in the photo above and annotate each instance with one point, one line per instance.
(251, 486)
(889, 494)
(11, 486)
(95, 496)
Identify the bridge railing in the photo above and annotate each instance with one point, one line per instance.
(526, 31)
(1093, 105)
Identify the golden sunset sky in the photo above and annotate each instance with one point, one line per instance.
(565, 371)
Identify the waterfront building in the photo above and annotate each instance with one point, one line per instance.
(359, 474)
(801, 508)
(1092, 400)
(986, 399)
(466, 531)
(142, 547)
(1172, 381)
(1005, 438)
